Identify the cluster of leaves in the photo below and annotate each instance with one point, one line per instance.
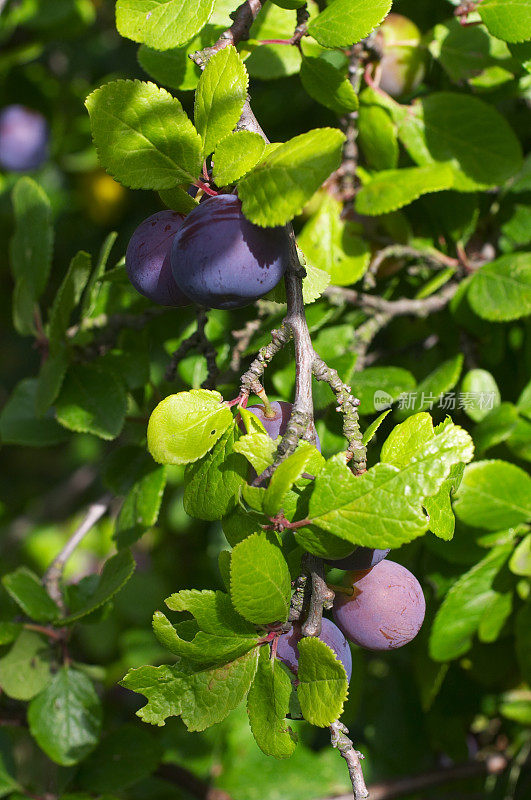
(443, 175)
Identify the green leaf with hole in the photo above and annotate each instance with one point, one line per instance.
(185, 426)
(219, 97)
(260, 583)
(162, 23)
(143, 137)
(345, 22)
(283, 182)
(323, 684)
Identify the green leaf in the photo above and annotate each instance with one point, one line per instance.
(460, 614)
(50, 380)
(8, 784)
(211, 485)
(178, 200)
(468, 52)
(395, 188)
(382, 507)
(370, 432)
(377, 137)
(407, 439)
(464, 131)
(345, 22)
(523, 640)
(270, 61)
(65, 719)
(26, 589)
(258, 448)
(484, 394)
(141, 506)
(495, 614)
(115, 573)
(213, 612)
(67, 297)
(202, 699)
(501, 291)
(286, 474)
(520, 561)
(204, 650)
(439, 506)
(93, 288)
(173, 67)
(30, 250)
(378, 387)
(507, 19)
(323, 684)
(9, 632)
(236, 155)
(283, 182)
(494, 495)
(185, 426)
(19, 423)
(432, 388)
(328, 85)
(267, 706)
(497, 427)
(517, 706)
(92, 400)
(260, 583)
(122, 758)
(334, 244)
(142, 135)
(162, 23)
(219, 98)
(26, 670)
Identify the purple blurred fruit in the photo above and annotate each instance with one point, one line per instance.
(386, 610)
(276, 426)
(360, 558)
(288, 651)
(221, 260)
(24, 138)
(148, 259)
(402, 64)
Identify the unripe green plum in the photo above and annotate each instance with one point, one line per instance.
(402, 64)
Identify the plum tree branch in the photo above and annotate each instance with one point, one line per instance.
(52, 577)
(340, 739)
(394, 308)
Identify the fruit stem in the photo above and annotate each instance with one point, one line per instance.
(206, 189)
(268, 411)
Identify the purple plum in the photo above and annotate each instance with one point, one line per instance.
(386, 610)
(276, 426)
(24, 136)
(148, 259)
(221, 260)
(360, 558)
(288, 651)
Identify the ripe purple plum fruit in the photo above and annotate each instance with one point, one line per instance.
(147, 259)
(386, 610)
(288, 650)
(402, 64)
(221, 260)
(276, 425)
(360, 558)
(24, 138)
